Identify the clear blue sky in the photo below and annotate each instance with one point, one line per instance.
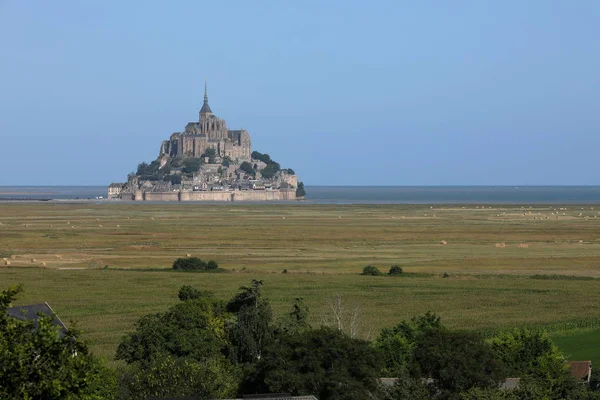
(345, 92)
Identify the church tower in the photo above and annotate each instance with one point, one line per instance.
(210, 125)
(205, 107)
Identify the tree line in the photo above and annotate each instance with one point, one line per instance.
(210, 348)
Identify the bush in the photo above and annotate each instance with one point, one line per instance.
(194, 264)
(212, 266)
(300, 192)
(395, 270)
(247, 168)
(191, 165)
(371, 270)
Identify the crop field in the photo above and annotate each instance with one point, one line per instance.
(104, 265)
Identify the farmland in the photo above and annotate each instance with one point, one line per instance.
(104, 265)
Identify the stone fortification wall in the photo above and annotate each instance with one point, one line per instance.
(206, 196)
(262, 195)
(242, 195)
(161, 196)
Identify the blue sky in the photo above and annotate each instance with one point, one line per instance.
(345, 92)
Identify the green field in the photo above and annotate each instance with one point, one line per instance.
(97, 263)
(583, 344)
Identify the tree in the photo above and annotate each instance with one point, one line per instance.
(226, 162)
(180, 352)
(322, 362)
(261, 157)
(167, 376)
(395, 270)
(148, 169)
(191, 165)
(193, 329)
(300, 192)
(211, 153)
(38, 362)
(174, 179)
(532, 356)
(194, 264)
(297, 319)
(252, 329)
(344, 316)
(247, 168)
(191, 293)
(397, 344)
(456, 361)
(270, 170)
(371, 270)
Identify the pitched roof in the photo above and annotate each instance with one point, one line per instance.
(510, 384)
(205, 108)
(32, 313)
(580, 369)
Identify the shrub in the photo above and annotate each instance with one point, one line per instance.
(212, 265)
(247, 168)
(395, 270)
(300, 192)
(194, 264)
(371, 270)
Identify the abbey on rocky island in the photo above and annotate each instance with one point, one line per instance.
(207, 161)
(209, 132)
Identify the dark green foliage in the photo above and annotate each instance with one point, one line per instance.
(36, 362)
(194, 264)
(395, 270)
(211, 153)
(174, 179)
(396, 344)
(371, 270)
(148, 169)
(272, 166)
(191, 329)
(407, 387)
(456, 361)
(300, 192)
(531, 355)
(191, 165)
(252, 330)
(181, 352)
(270, 170)
(247, 168)
(261, 157)
(212, 265)
(191, 293)
(169, 377)
(290, 171)
(322, 362)
(296, 320)
(226, 161)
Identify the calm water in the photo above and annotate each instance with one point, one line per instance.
(368, 194)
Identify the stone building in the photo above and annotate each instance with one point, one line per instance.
(209, 132)
(114, 190)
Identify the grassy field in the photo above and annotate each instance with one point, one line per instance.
(583, 344)
(96, 263)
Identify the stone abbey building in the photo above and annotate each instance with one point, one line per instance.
(207, 161)
(209, 132)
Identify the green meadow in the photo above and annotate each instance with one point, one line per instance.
(480, 267)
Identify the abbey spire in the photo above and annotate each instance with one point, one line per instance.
(205, 107)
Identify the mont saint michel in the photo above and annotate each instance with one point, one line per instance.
(209, 161)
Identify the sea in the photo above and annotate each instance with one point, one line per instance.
(362, 194)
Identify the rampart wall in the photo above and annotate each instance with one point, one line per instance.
(241, 195)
